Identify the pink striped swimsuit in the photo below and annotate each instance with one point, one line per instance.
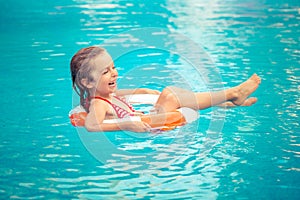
(121, 113)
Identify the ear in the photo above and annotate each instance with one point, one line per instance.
(87, 84)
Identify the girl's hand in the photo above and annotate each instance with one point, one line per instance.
(138, 113)
(135, 126)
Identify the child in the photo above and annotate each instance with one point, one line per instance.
(94, 78)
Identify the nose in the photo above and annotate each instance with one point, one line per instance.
(114, 72)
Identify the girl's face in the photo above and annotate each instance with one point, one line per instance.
(105, 75)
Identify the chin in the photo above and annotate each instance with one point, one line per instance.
(114, 90)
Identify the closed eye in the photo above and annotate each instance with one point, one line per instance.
(105, 71)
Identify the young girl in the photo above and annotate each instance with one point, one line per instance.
(94, 78)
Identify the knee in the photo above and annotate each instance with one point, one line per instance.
(167, 103)
(165, 91)
(168, 90)
(171, 98)
(169, 95)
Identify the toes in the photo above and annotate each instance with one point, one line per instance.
(250, 101)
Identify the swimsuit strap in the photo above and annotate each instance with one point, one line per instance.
(121, 113)
(97, 97)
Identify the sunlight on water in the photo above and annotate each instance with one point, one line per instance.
(242, 153)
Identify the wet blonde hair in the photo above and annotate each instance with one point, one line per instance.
(82, 68)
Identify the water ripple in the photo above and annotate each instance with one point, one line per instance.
(256, 155)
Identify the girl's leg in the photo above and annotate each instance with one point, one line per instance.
(248, 102)
(172, 98)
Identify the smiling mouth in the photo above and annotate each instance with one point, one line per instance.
(112, 83)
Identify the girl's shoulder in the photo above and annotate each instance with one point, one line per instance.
(98, 104)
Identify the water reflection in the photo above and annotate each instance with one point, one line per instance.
(233, 34)
(256, 154)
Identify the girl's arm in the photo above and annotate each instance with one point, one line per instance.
(123, 92)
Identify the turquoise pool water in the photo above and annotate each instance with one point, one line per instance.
(242, 153)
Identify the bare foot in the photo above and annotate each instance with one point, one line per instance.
(248, 102)
(246, 88)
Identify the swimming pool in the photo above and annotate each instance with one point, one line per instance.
(254, 155)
